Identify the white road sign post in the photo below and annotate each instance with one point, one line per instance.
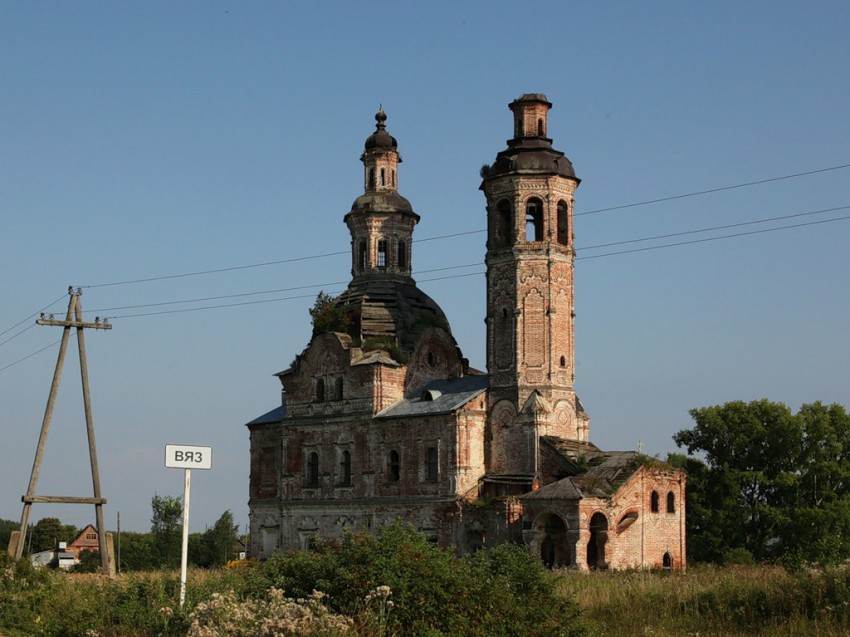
(186, 457)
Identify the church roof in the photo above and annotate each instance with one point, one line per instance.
(608, 470)
(274, 416)
(437, 397)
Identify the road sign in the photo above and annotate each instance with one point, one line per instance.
(188, 457)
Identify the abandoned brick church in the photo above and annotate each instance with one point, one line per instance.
(383, 420)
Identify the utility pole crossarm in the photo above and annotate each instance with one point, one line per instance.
(98, 325)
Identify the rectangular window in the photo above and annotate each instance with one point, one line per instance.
(382, 253)
(267, 467)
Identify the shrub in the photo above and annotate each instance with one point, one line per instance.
(504, 592)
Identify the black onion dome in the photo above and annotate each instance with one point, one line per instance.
(381, 138)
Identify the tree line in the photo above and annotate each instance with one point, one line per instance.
(767, 484)
(159, 548)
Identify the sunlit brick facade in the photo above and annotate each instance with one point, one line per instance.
(383, 420)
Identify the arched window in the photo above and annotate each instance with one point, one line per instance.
(653, 502)
(540, 131)
(667, 561)
(598, 540)
(383, 176)
(320, 390)
(312, 470)
(402, 255)
(338, 388)
(431, 464)
(504, 224)
(372, 178)
(534, 220)
(671, 502)
(563, 361)
(394, 467)
(382, 253)
(345, 469)
(361, 255)
(563, 228)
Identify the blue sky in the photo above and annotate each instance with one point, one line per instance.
(144, 140)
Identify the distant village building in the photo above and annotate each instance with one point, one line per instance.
(383, 419)
(65, 555)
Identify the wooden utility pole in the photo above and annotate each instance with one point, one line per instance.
(74, 319)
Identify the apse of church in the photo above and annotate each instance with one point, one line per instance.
(383, 420)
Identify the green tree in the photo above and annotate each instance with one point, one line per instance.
(222, 540)
(772, 484)
(327, 316)
(48, 532)
(6, 528)
(89, 562)
(166, 531)
(137, 552)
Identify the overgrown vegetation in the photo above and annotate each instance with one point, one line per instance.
(396, 583)
(388, 345)
(327, 316)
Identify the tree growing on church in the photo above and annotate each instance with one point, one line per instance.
(772, 485)
(327, 316)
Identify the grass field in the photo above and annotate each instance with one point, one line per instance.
(711, 601)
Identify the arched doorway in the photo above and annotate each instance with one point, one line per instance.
(551, 535)
(598, 539)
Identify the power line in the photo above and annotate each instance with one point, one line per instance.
(257, 293)
(713, 228)
(31, 316)
(456, 234)
(14, 336)
(215, 271)
(453, 267)
(458, 276)
(727, 236)
(712, 190)
(21, 360)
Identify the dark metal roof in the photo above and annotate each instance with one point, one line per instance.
(445, 396)
(274, 416)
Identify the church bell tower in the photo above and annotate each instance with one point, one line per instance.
(530, 260)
